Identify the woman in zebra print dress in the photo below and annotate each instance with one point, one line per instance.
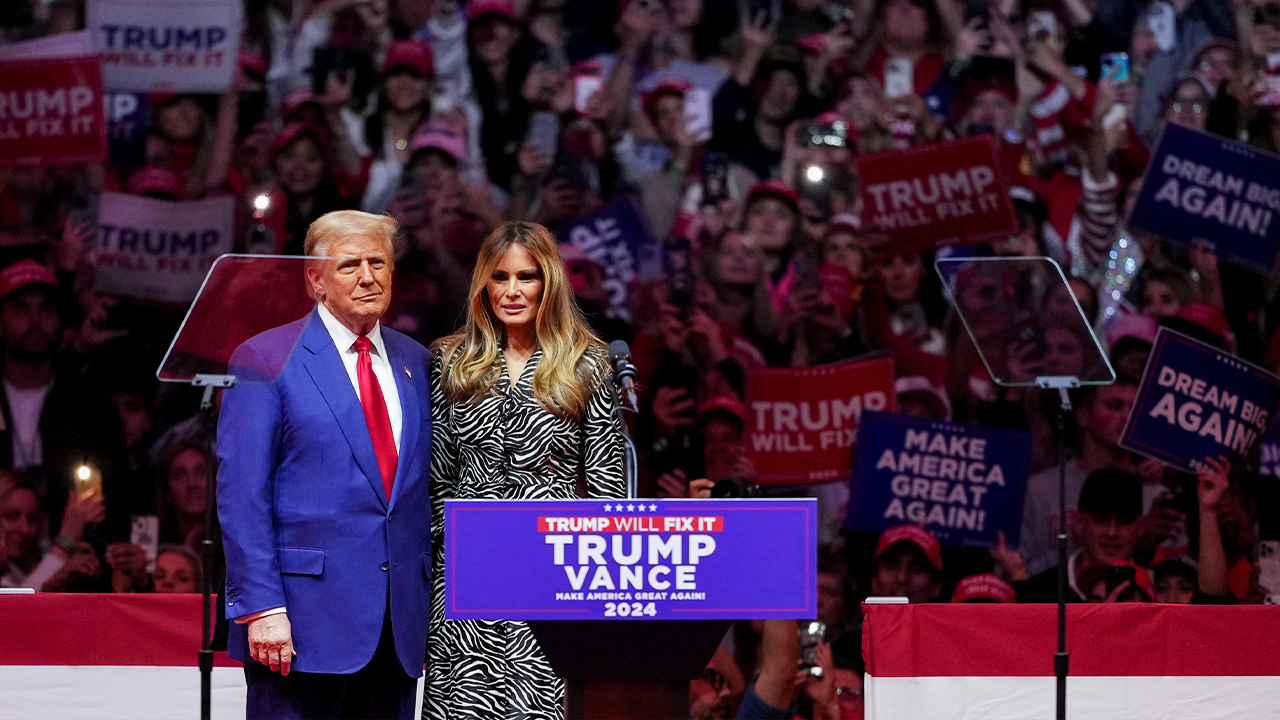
(520, 409)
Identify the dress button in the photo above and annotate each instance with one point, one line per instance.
(385, 566)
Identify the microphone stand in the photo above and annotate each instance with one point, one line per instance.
(624, 401)
(1061, 658)
(209, 383)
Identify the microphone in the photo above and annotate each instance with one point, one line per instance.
(624, 373)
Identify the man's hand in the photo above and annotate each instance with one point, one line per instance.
(271, 642)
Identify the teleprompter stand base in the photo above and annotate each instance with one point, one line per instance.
(628, 669)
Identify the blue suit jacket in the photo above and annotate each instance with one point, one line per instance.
(305, 519)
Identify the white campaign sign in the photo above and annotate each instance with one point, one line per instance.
(159, 250)
(167, 45)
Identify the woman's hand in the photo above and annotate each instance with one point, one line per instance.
(1203, 259)
(1010, 560)
(76, 243)
(821, 690)
(128, 567)
(672, 411)
(705, 338)
(80, 513)
(1212, 482)
(673, 484)
(82, 563)
(972, 39)
(91, 334)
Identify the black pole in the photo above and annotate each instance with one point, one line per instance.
(1061, 659)
(206, 558)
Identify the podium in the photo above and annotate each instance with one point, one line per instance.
(630, 598)
(628, 668)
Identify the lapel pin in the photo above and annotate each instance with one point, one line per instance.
(406, 372)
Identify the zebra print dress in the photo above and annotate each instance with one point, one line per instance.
(506, 446)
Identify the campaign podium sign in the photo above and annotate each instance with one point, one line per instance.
(946, 193)
(1196, 401)
(1201, 187)
(630, 559)
(802, 423)
(963, 483)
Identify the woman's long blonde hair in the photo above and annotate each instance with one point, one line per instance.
(564, 378)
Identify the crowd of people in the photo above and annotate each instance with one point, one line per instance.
(732, 126)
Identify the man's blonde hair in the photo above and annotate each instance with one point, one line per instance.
(344, 223)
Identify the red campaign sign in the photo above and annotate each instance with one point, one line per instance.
(51, 112)
(948, 193)
(802, 422)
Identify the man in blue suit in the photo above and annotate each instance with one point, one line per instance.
(322, 493)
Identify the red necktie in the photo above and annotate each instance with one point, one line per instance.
(375, 414)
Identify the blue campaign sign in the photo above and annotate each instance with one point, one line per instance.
(1203, 187)
(127, 128)
(963, 483)
(1197, 401)
(618, 238)
(1269, 458)
(637, 559)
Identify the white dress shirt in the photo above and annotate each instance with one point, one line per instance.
(344, 340)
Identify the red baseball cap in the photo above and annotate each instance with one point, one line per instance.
(774, 188)
(983, 587)
(439, 136)
(502, 8)
(669, 86)
(1088, 577)
(23, 273)
(726, 404)
(1138, 326)
(843, 222)
(412, 54)
(294, 101)
(292, 132)
(253, 62)
(811, 43)
(157, 179)
(1206, 316)
(915, 535)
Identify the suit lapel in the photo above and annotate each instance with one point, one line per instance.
(410, 412)
(331, 379)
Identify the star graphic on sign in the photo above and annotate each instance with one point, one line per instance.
(630, 506)
(653, 508)
(607, 508)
